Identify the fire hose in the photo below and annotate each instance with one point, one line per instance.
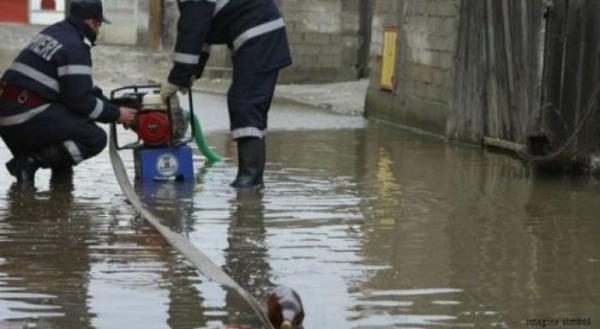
(196, 257)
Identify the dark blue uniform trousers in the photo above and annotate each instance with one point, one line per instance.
(249, 99)
(80, 136)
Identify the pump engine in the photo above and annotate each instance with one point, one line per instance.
(153, 125)
(161, 152)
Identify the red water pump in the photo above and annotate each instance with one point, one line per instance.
(155, 124)
(161, 152)
(153, 128)
(152, 123)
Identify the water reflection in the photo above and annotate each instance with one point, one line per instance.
(375, 228)
(173, 202)
(562, 228)
(246, 256)
(493, 244)
(45, 258)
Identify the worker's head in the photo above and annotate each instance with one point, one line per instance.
(90, 11)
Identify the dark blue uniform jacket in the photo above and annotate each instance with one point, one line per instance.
(253, 29)
(57, 65)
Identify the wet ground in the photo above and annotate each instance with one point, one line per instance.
(374, 226)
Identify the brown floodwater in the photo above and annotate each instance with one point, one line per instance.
(375, 227)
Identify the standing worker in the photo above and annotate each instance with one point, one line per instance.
(48, 103)
(255, 33)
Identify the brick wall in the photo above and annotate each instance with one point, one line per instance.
(427, 34)
(324, 35)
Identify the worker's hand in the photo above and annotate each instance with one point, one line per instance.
(168, 89)
(126, 115)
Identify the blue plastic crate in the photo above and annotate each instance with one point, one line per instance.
(164, 163)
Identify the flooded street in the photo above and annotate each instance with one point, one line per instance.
(374, 226)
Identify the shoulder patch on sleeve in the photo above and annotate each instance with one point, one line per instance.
(44, 46)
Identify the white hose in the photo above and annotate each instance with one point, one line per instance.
(202, 263)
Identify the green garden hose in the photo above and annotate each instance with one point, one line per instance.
(206, 150)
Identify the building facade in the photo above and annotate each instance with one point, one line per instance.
(465, 69)
(41, 12)
(517, 75)
(413, 48)
(329, 38)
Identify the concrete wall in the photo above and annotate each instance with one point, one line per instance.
(131, 22)
(325, 37)
(127, 18)
(427, 36)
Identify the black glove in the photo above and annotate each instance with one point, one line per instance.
(96, 91)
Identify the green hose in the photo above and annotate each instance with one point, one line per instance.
(206, 150)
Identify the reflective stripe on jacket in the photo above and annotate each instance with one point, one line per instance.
(57, 65)
(252, 29)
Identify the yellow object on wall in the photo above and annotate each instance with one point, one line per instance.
(388, 62)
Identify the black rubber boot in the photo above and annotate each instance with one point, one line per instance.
(61, 176)
(60, 172)
(25, 166)
(251, 163)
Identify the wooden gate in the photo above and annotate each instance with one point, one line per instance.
(570, 117)
(497, 70)
(527, 73)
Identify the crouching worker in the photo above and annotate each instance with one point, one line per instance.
(48, 103)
